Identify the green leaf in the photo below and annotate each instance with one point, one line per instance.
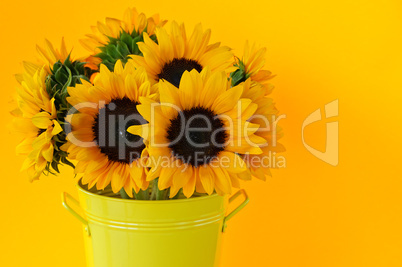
(55, 166)
(67, 162)
(123, 50)
(67, 84)
(126, 38)
(113, 52)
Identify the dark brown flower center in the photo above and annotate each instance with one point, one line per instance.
(173, 70)
(196, 136)
(110, 131)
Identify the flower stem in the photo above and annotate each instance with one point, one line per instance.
(161, 194)
(123, 194)
(141, 195)
(177, 195)
(154, 189)
(156, 193)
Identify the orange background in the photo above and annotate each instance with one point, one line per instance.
(310, 213)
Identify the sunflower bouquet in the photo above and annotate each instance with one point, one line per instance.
(152, 112)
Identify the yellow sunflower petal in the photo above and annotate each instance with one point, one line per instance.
(189, 188)
(232, 162)
(222, 180)
(207, 179)
(42, 120)
(47, 152)
(56, 128)
(182, 175)
(166, 177)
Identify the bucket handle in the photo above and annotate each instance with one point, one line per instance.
(64, 197)
(236, 210)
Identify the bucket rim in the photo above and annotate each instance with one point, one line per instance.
(168, 201)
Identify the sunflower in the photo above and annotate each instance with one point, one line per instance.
(36, 119)
(175, 53)
(41, 99)
(105, 152)
(116, 39)
(250, 66)
(265, 116)
(48, 56)
(195, 133)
